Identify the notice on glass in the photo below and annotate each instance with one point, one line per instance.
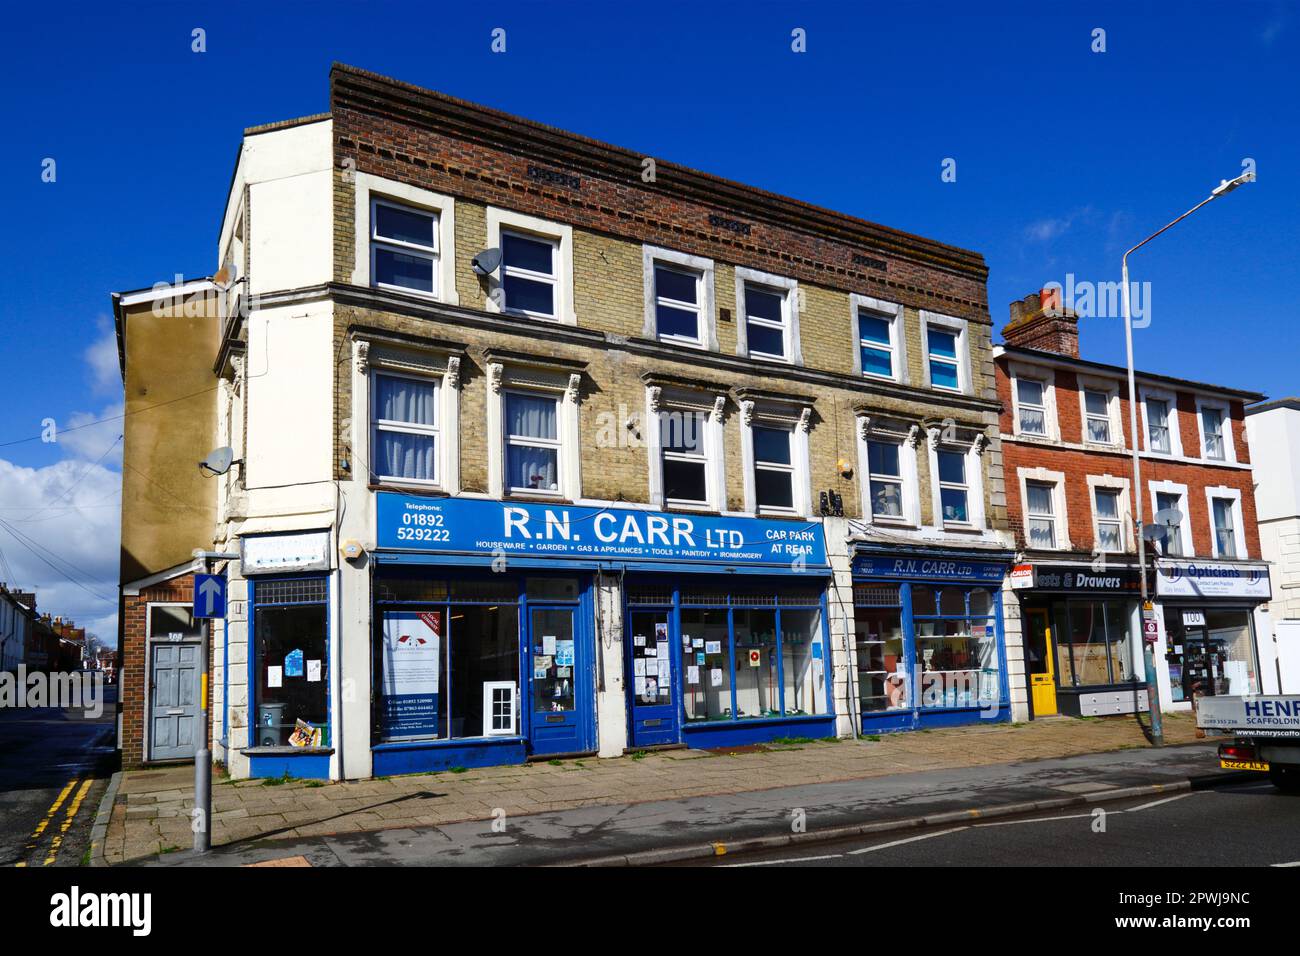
(638, 640)
(652, 652)
(293, 663)
(548, 645)
(275, 677)
(638, 686)
(313, 672)
(638, 667)
(697, 642)
(692, 675)
(651, 668)
(412, 654)
(715, 677)
(564, 653)
(713, 647)
(541, 666)
(661, 631)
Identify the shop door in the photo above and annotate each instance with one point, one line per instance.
(650, 667)
(560, 688)
(1040, 662)
(173, 701)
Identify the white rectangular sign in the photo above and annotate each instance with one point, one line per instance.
(1212, 579)
(1262, 716)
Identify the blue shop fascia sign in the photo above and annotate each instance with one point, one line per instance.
(937, 567)
(595, 533)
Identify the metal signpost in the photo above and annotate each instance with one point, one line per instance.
(209, 603)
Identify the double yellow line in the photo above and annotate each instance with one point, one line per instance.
(50, 814)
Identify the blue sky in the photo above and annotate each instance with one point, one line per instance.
(1064, 158)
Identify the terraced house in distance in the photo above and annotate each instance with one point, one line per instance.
(543, 447)
(1074, 592)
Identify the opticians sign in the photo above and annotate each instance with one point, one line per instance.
(478, 526)
(1208, 579)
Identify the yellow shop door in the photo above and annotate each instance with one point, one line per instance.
(1039, 662)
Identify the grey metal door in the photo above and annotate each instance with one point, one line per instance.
(173, 701)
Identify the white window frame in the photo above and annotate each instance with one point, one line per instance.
(564, 386)
(660, 402)
(524, 441)
(1187, 548)
(1225, 412)
(1113, 412)
(959, 327)
(1046, 377)
(892, 312)
(702, 269)
(371, 358)
(1123, 505)
(435, 431)
(1238, 525)
(560, 236)
(1059, 507)
(432, 253)
(368, 189)
(788, 290)
(1051, 517)
(1175, 439)
(698, 457)
(974, 482)
(907, 466)
(489, 688)
(795, 418)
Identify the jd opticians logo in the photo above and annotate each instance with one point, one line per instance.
(76, 909)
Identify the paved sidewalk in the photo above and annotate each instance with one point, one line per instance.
(150, 815)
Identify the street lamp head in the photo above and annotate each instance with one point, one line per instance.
(1228, 185)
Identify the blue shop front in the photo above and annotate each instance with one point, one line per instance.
(929, 637)
(490, 643)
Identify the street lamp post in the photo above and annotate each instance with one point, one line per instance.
(1148, 655)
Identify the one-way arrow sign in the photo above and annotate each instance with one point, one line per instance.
(209, 595)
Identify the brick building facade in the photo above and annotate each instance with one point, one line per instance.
(1067, 440)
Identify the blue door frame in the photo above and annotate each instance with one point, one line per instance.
(653, 723)
(564, 731)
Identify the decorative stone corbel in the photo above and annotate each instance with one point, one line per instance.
(363, 357)
(914, 436)
(237, 367)
(453, 371)
(656, 399)
(805, 419)
(981, 442)
(495, 371)
(933, 434)
(864, 427)
(575, 387)
(747, 412)
(719, 406)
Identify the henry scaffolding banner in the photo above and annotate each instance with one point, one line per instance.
(1261, 716)
(472, 525)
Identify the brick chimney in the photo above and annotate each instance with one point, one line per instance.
(1039, 321)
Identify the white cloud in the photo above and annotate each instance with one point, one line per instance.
(60, 537)
(101, 356)
(89, 435)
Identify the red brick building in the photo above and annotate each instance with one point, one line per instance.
(1066, 439)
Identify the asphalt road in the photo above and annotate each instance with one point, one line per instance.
(1246, 824)
(54, 767)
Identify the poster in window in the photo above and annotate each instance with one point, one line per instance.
(412, 652)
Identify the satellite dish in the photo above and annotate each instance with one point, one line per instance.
(226, 275)
(218, 461)
(1154, 532)
(486, 262)
(1169, 517)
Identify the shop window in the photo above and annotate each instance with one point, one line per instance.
(405, 418)
(1040, 514)
(532, 443)
(773, 469)
(528, 274)
(886, 477)
(708, 672)
(757, 679)
(449, 670)
(1096, 408)
(685, 459)
(403, 247)
(290, 661)
(1031, 400)
(1110, 530)
(884, 678)
(803, 668)
(1093, 646)
(1209, 653)
(956, 650)
(952, 486)
(1225, 531)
